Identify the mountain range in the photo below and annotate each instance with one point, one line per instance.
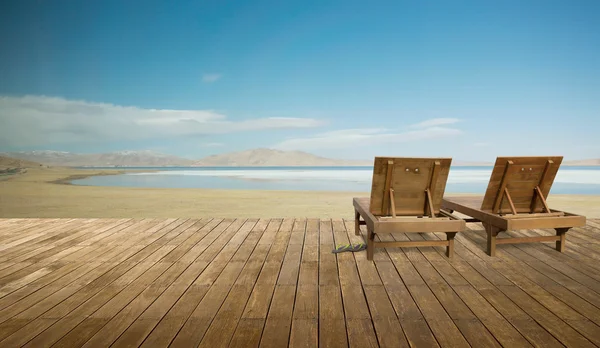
(250, 158)
(112, 159)
(256, 157)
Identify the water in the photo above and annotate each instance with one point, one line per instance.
(569, 180)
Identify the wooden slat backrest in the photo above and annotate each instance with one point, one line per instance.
(410, 177)
(523, 174)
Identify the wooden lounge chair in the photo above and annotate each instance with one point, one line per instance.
(406, 195)
(516, 199)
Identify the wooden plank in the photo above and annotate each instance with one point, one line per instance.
(279, 318)
(161, 321)
(538, 192)
(388, 190)
(559, 306)
(470, 325)
(528, 170)
(41, 242)
(133, 281)
(442, 326)
(545, 266)
(411, 176)
(28, 297)
(332, 326)
(42, 300)
(565, 333)
(499, 196)
(121, 321)
(527, 326)
(572, 269)
(412, 321)
(359, 326)
(517, 317)
(220, 275)
(116, 324)
(535, 280)
(70, 312)
(10, 231)
(86, 327)
(225, 322)
(304, 329)
(250, 327)
(388, 329)
(41, 257)
(543, 315)
(218, 280)
(43, 234)
(24, 239)
(502, 330)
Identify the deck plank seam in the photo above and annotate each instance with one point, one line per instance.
(475, 238)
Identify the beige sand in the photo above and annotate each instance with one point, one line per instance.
(40, 193)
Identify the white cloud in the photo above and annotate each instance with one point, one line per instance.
(213, 144)
(209, 78)
(434, 122)
(349, 138)
(43, 121)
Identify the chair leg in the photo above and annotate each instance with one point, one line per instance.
(450, 248)
(560, 244)
(370, 244)
(492, 232)
(356, 222)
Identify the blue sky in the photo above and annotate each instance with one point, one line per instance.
(346, 79)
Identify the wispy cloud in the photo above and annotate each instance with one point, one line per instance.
(348, 138)
(43, 121)
(435, 122)
(209, 78)
(213, 144)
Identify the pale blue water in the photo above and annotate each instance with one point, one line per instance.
(569, 180)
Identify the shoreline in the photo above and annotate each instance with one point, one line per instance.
(49, 192)
(68, 180)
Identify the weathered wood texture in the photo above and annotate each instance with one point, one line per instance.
(408, 177)
(275, 283)
(520, 175)
(406, 187)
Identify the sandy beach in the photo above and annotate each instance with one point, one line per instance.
(46, 192)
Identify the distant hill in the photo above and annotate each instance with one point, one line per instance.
(261, 157)
(268, 157)
(458, 163)
(11, 166)
(588, 162)
(9, 162)
(112, 159)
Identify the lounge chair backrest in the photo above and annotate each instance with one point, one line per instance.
(519, 176)
(408, 179)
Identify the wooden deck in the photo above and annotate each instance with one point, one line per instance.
(274, 283)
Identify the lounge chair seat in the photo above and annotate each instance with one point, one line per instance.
(406, 195)
(515, 200)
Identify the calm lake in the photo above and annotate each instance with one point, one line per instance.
(569, 180)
